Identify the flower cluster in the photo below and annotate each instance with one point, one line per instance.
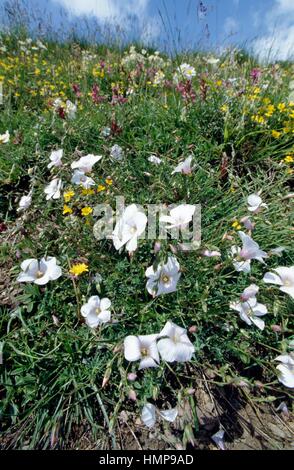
(171, 344)
(157, 303)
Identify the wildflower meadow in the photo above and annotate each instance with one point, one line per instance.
(147, 275)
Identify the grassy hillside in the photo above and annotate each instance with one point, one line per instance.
(61, 379)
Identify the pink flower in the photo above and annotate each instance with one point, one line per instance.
(255, 74)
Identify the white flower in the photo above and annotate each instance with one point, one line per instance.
(180, 216)
(218, 439)
(80, 178)
(250, 311)
(154, 159)
(41, 45)
(164, 280)
(277, 251)
(249, 251)
(212, 61)
(240, 266)
(249, 292)
(143, 349)
(70, 109)
(184, 167)
(283, 278)
(247, 223)
(129, 227)
(57, 103)
(211, 254)
(96, 311)
(53, 189)
(174, 345)
(24, 203)
(255, 203)
(106, 131)
(148, 415)
(55, 158)
(187, 71)
(116, 153)
(286, 369)
(85, 164)
(4, 138)
(232, 80)
(159, 77)
(39, 272)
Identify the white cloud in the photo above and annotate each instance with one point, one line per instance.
(231, 25)
(285, 5)
(106, 9)
(278, 46)
(278, 41)
(118, 12)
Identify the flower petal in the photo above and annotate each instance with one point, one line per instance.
(258, 322)
(105, 304)
(148, 415)
(132, 348)
(169, 415)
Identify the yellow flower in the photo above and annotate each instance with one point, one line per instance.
(276, 134)
(259, 119)
(88, 192)
(281, 107)
(66, 210)
(79, 269)
(68, 195)
(109, 181)
(236, 225)
(289, 159)
(252, 97)
(86, 211)
(270, 110)
(101, 188)
(225, 108)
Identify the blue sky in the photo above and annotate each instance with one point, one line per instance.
(265, 26)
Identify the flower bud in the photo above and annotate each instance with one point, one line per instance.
(157, 247)
(132, 376)
(132, 395)
(276, 328)
(193, 329)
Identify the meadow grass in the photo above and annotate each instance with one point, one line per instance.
(58, 376)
